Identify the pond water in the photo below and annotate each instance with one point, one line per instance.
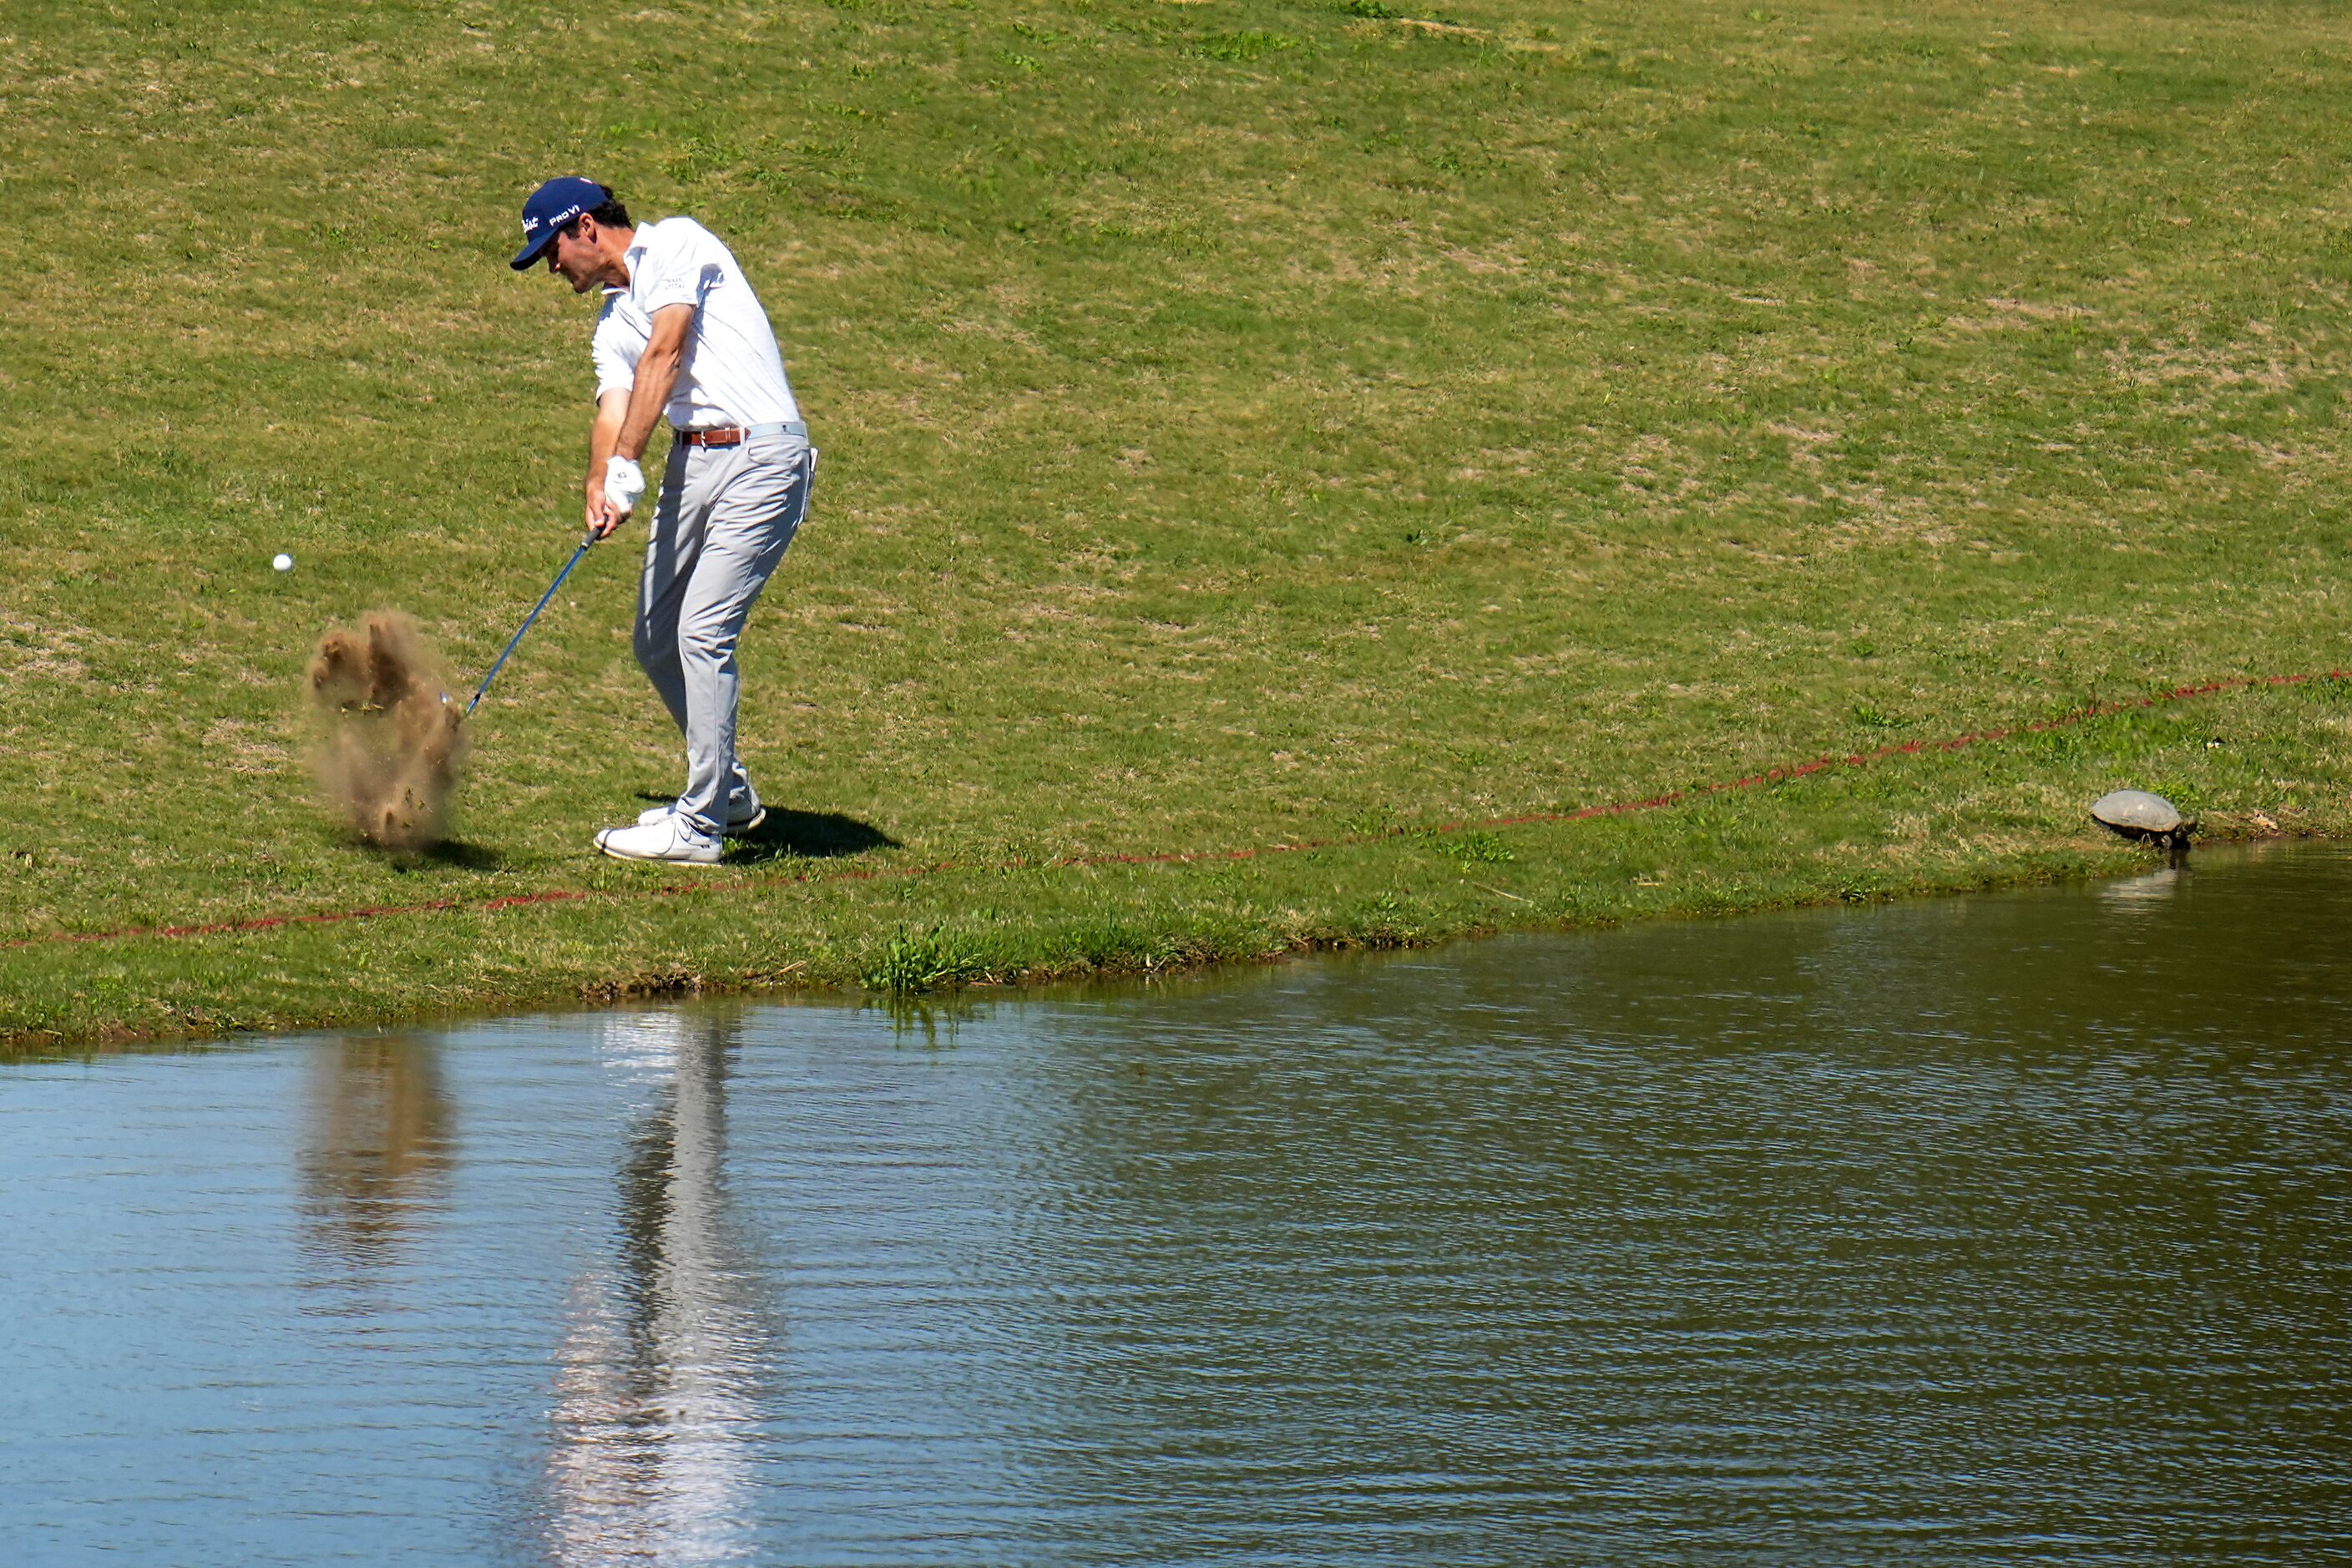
(1993, 1228)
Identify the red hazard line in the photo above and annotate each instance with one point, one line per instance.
(1187, 857)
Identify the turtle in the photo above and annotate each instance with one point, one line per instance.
(2136, 814)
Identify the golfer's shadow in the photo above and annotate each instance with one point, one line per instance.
(788, 834)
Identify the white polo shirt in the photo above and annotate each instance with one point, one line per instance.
(731, 371)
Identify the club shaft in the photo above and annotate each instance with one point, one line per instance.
(543, 598)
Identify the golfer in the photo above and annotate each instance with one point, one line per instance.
(682, 334)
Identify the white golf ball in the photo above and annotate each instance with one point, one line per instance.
(282, 561)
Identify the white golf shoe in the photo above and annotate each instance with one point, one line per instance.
(668, 840)
(743, 814)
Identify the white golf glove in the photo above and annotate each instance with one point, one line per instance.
(625, 483)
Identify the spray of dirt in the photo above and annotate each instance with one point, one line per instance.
(390, 743)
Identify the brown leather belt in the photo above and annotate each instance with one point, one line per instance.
(725, 436)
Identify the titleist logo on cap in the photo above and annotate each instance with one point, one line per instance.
(530, 224)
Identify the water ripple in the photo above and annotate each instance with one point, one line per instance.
(2000, 1228)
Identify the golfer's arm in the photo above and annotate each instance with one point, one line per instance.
(656, 374)
(605, 435)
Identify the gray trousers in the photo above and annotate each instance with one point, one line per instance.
(726, 516)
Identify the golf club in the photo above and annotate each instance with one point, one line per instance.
(543, 598)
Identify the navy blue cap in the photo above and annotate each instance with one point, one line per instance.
(551, 206)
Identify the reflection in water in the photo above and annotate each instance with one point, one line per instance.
(1986, 1230)
(2132, 894)
(654, 1407)
(377, 1146)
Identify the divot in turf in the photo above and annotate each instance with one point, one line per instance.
(390, 745)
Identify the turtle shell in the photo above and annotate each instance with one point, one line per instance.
(2136, 814)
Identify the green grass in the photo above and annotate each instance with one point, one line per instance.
(1245, 422)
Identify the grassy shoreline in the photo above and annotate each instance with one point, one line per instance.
(1245, 422)
(1842, 835)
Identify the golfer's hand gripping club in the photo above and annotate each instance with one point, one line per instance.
(624, 486)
